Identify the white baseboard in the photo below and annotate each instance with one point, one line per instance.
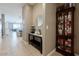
(50, 54)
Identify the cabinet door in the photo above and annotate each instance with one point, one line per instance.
(60, 31)
(68, 23)
(68, 31)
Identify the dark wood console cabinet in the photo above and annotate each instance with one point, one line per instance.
(36, 41)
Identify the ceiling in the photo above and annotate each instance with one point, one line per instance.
(12, 11)
(32, 4)
(11, 4)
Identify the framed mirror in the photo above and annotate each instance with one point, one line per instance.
(39, 21)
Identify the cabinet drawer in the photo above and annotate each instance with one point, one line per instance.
(38, 39)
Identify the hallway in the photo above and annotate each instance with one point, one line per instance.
(15, 46)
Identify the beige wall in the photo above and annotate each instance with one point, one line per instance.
(48, 11)
(76, 29)
(37, 11)
(30, 14)
(27, 20)
(50, 33)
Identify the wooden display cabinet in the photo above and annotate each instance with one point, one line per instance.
(65, 30)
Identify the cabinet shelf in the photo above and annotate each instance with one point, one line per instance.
(35, 42)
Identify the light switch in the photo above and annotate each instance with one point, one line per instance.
(47, 27)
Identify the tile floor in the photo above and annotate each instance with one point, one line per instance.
(12, 45)
(15, 46)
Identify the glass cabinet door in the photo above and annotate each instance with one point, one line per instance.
(68, 31)
(68, 23)
(60, 30)
(60, 24)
